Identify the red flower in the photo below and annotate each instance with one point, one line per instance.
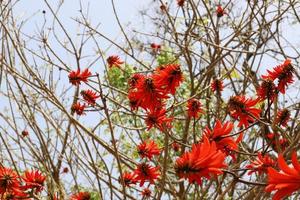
(146, 172)
(129, 178)
(75, 77)
(34, 180)
(78, 108)
(65, 170)
(282, 117)
(220, 135)
(155, 47)
(134, 101)
(148, 149)
(81, 196)
(25, 133)
(284, 74)
(204, 160)
(114, 61)
(194, 108)
(89, 96)
(168, 78)
(158, 119)
(287, 180)
(243, 109)
(175, 146)
(267, 90)
(282, 142)
(180, 2)
(9, 180)
(220, 11)
(148, 94)
(260, 164)
(146, 193)
(134, 79)
(217, 86)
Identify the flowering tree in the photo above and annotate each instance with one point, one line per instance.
(201, 101)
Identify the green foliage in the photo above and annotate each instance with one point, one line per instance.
(166, 56)
(95, 196)
(118, 78)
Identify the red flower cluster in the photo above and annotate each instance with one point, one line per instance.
(146, 193)
(34, 180)
(114, 61)
(145, 172)
(274, 139)
(287, 180)
(284, 74)
(148, 149)
(220, 11)
(158, 119)
(267, 90)
(20, 187)
(180, 2)
(78, 108)
(220, 135)
(81, 196)
(242, 109)
(155, 48)
(25, 133)
(168, 78)
(89, 96)
(150, 92)
(129, 178)
(194, 108)
(76, 77)
(261, 164)
(282, 117)
(204, 160)
(217, 86)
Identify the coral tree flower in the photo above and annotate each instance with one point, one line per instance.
(148, 149)
(129, 178)
(145, 172)
(148, 94)
(220, 135)
(282, 117)
(261, 164)
(242, 109)
(194, 108)
(89, 96)
(217, 86)
(220, 11)
(204, 160)
(78, 108)
(75, 77)
(134, 79)
(180, 2)
(34, 180)
(158, 119)
(282, 142)
(81, 196)
(267, 90)
(9, 180)
(284, 74)
(287, 180)
(114, 61)
(146, 193)
(168, 78)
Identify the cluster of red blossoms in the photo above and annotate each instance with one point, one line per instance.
(14, 186)
(144, 171)
(204, 160)
(89, 96)
(150, 92)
